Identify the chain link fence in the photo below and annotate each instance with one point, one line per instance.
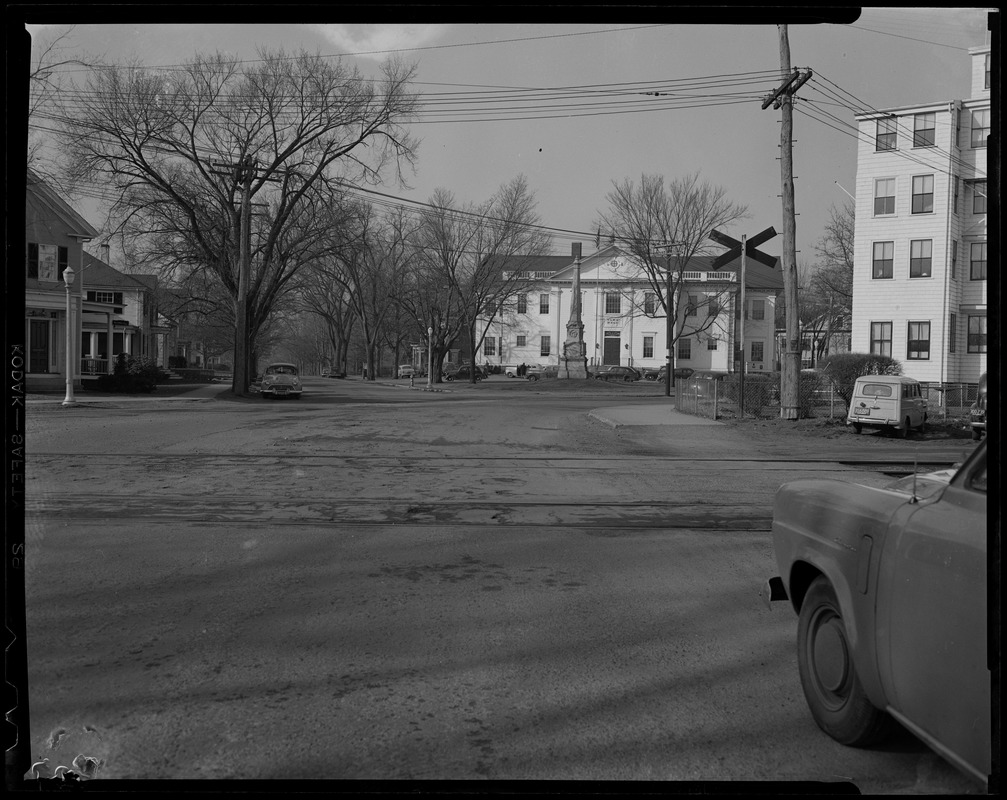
(817, 397)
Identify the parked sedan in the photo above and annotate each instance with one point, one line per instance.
(281, 380)
(890, 588)
(977, 413)
(464, 373)
(680, 373)
(612, 372)
(407, 371)
(536, 372)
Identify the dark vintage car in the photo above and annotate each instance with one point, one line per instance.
(977, 413)
(613, 372)
(679, 373)
(464, 373)
(281, 380)
(890, 589)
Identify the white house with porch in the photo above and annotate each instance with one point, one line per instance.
(54, 240)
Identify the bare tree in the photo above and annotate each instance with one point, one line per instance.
(664, 228)
(478, 255)
(186, 152)
(46, 78)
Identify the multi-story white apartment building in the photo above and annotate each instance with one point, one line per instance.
(920, 247)
(624, 322)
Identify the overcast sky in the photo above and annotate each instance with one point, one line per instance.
(886, 58)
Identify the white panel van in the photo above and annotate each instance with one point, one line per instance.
(892, 402)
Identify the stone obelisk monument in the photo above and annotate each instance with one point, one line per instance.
(573, 361)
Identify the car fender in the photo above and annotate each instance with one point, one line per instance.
(837, 529)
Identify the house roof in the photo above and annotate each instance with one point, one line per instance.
(98, 273)
(75, 222)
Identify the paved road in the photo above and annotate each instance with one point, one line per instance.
(383, 583)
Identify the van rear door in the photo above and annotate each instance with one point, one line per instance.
(876, 401)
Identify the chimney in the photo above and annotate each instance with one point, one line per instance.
(104, 252)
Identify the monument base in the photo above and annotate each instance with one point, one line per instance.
(574, 368)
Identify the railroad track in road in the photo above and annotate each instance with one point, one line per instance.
(355, 512)
(901, 463)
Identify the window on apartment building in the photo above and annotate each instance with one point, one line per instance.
(758, 351)
(711, 343)
(952, 333)
(884, 196)
(986, 76)
(47, 262)
(648, 346)
(923, 194)
(977, 261)
(613, 303)
(758, 309)
(918, 341)
(881, 338)
(490, 346)
(954, 199)
(958, 127)
(920, 258)
(713, 307)
(884, 259)
(522, 340)
(977, 334)
(522, 304)
(543, 304)
(649, 303)
(546, 346)
(980, 127)
(684, 349)
(979, 197)
(886, 137)
(924, 127)
(954, 259)
(690, 309)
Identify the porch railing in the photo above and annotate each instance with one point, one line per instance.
(93, 366)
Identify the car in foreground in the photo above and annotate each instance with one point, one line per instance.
(613, 372)
(281, 380)
(890, 588)
(977, 413)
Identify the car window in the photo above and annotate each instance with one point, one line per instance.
(877, 390)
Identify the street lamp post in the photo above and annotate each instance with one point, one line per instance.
(68, 276)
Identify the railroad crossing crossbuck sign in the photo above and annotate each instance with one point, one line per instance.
(750, 245)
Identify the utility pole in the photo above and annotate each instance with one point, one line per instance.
(243, 173)
(783, 98)
(239, 382)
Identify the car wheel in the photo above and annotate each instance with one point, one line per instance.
(976, 434)
(857, 427)
(834, 693)
(904, 431)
